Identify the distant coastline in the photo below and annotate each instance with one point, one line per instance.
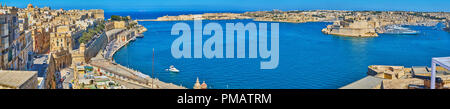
(346, 23)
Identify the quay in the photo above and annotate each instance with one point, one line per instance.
(124, 75)
(147, 20)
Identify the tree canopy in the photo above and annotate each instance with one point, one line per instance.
(119, 18)
(89, 34)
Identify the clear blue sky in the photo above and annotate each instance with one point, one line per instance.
(236, 5)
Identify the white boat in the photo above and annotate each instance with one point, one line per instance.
(396, 29)
(173, 69)
(140, 36)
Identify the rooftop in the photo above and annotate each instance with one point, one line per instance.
(15, 79)
(401, 83)
(368, 82)
(420, 69)
(443, 61)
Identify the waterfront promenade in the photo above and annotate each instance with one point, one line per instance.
(112, 48)
(126, 76)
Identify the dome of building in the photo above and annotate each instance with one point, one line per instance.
(197, 84)
(204, 86)
(30, 6)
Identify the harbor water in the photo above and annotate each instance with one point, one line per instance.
(309, 59)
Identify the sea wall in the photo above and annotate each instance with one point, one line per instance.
(353, 32)
(95, 46)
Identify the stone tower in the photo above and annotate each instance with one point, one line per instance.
(82, 48)
(197, 85)
(204, 86)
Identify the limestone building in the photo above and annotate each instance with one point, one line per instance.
(18, 79)
(57, 61)
(97, 14)
(116, 25)
(61, 39)
(78, 56)
(41, 39)
(9, 32)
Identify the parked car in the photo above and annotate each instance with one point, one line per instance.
(63, 78)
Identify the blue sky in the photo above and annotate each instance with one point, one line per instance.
(238, 5)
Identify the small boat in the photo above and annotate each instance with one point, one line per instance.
(173, 69)
(140, 36)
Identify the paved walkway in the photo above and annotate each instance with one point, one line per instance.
(110, 48)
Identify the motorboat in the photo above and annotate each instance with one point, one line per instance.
(395, 29)
(173, 69)
(140, 36)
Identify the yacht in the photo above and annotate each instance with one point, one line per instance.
(173, 69)
(395, 29)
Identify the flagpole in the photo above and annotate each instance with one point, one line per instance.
(153, 69)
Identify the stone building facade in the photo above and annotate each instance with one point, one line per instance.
(57, 61)
(78, 56)
(41, 39)
(61, 39)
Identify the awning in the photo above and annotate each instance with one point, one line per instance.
(441, 61)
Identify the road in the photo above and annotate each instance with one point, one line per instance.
(69, 77)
